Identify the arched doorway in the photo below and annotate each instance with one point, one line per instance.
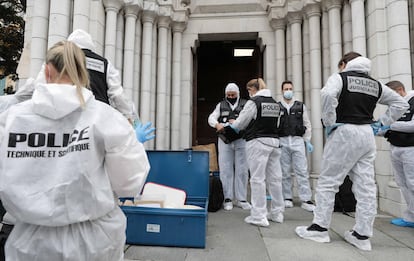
(215, 65)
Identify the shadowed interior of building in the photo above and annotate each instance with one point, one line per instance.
(215, 66)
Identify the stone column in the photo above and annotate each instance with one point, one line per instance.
(279, 26)
(23, 68)
(295, 21)
(335, 39)
(153, 77)
(358, 27)
(313, 13)
(111, 8)
(168, 103)
(148, 17)
(58, 21)
(346, 28)
(161, 123)
(399, 50)
(40, 24)
(178, 28)
(119, 43)
(288, 53)
(326, 66)
(186, 99)
(81, 15)
(137, 62)
(131, 14)
(306, 63)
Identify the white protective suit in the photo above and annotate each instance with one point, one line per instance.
(232, 158)
(263, 158)
(115, 91)
(351, 149)
(402, 159)
(294, 158)
(60, 166)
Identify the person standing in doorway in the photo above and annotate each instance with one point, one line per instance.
(348, 102)
(231, 149)
(259, 118)
(295, 134)
(401, 136)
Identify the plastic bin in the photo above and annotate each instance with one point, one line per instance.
(187, 170)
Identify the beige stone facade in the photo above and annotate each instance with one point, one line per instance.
(157, 46)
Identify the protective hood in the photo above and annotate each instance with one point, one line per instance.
(359, 64)
(232, 87)
(55, 101)
(82, 39)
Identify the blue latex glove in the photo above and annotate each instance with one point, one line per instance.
(376, 126)
(330, 129)
(382, 130)
(309, 146)
(143, 131)
(234, 128)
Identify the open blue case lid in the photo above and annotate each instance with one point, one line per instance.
(187, 170)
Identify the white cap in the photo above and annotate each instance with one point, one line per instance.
(232, 87)
(82, 39)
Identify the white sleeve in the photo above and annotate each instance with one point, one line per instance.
(246, 115)
(126, 161)
(329, 99)
(213, 117)
(23, 93)
(397, 106)
(116, 94)
(403, 126)
(306, 122)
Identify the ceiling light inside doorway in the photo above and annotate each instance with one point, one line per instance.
(243, 52)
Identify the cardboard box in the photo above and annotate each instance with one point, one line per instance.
(211, 148)
(186, 170)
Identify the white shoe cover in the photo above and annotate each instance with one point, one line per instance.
(361, 244)
(257, 222)
(243, 204)
(228, 205)
(278, 218)
(308, 207)
(288, 204)
(317, 236)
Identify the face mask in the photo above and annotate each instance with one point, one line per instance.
(232, 100)
(288, 95)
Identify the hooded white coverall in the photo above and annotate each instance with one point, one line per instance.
(232, 157)
(115, 91)
(351, 149)
(263, 158)
(294, 158)
(60, 166)
(402, 159)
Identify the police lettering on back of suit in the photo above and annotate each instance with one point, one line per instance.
(348, 102)
(61, 149)
(259, 119)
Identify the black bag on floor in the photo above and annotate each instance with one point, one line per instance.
(345, 199)
(216, 196)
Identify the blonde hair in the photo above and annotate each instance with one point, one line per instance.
(257, 83)
(69, 59)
